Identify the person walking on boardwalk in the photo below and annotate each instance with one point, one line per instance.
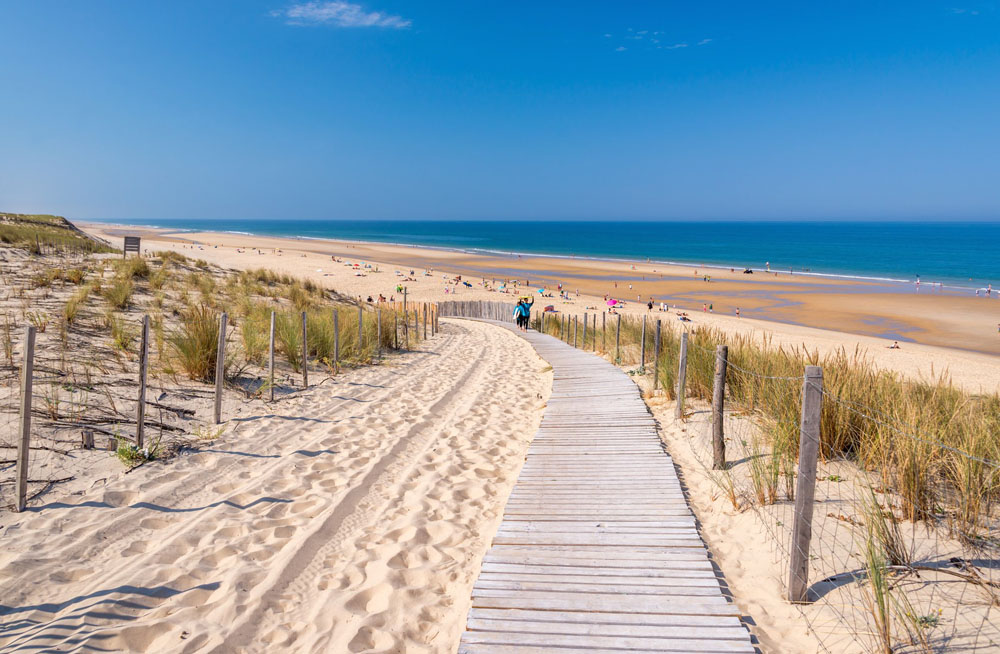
(522, 312)
(519, 314)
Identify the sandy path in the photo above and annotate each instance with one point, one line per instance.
(353, 519)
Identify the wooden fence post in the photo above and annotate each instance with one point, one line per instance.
(542, 328)
(604, 331)
(682, 367)
(336, 341)
(718, 408)
(424, 316)
(305, 353)
(593, 338)
(584, 339)
(642, 348)
(378, 331)
(23, 443)
(656, 356)
(404, 301)
(805, 485)
(395, 330)
(220, 367)
(361, 333)
(270, 360)
(140, 409)
(576, 328)
(618, 339)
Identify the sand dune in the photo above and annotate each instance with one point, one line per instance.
(351, 519)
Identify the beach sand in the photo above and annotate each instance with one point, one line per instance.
(351, 518)
(947, 333)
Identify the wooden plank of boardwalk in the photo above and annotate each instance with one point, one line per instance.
(598, 550)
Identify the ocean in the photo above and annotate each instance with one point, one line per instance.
(963, 254)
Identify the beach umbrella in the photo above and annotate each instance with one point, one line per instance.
(612, 303)
(541, 291)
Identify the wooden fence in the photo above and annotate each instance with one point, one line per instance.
(500, 311)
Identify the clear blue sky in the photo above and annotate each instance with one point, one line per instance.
(391, 109)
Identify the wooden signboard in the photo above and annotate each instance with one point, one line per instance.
(131, 245)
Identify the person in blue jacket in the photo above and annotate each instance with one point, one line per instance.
(522, 313)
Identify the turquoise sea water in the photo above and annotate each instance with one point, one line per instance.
(957, 254)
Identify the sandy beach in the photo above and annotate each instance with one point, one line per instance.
(939, 333)
(352, 518)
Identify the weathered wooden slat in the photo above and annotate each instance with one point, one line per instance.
(687, 569)
(595, 602)
(602, 523)
(487, 587)
(593, 578)
(620, 642)
(570, 618)
(489, 648)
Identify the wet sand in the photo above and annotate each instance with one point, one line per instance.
(939, 329)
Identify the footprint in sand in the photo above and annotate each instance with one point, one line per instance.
(155, 523)
(136, 547)
(284, 532)
(435, 532)
(237, 531)
(120, 498)
(414, 578)
(404, 559)
(371, 600)
(369, 638)
(67, 575)
(308, 508)
(221, 489)
(401, 535)
(352, 577)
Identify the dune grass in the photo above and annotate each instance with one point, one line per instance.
(118, 292)
(932, 444)
(32, 231)
(195, 342)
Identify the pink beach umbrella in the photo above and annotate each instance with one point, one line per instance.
(612, 303)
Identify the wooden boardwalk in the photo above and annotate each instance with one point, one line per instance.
(598, 550)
